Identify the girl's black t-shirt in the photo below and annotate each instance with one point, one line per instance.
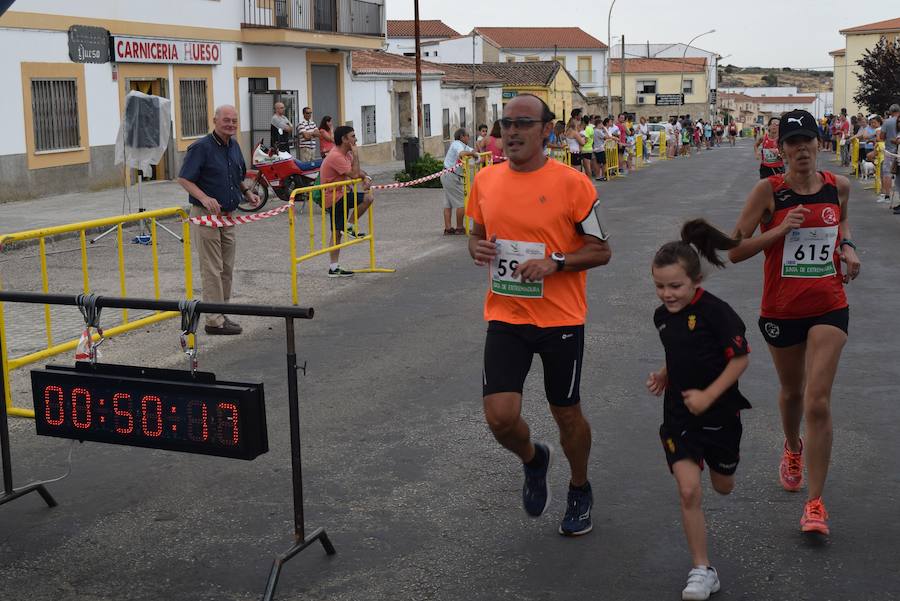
(699, 342)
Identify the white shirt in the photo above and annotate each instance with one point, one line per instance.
(452, 156)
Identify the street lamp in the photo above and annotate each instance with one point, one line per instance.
(684, 56)
(608, 50)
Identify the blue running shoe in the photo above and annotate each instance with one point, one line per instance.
(577, 520)
(535, 494)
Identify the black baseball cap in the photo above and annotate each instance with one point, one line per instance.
(797, 123)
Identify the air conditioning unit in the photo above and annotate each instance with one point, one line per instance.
(641, 99)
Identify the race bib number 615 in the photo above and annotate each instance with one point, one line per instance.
(809, 252)
(511, 254)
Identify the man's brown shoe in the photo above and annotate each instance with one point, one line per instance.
(226, 329)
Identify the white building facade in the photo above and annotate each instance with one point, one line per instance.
(60, 131)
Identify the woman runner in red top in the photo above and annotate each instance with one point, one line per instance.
(804, 317)
(772, 162)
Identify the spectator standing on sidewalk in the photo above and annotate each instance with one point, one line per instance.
(326, 138)
(281, 129)
(452, 181)
(307, 134)
(213, 174)
(889, 135)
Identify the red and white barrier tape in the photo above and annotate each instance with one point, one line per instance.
(421, 180)
(217, 221)
(220, 221)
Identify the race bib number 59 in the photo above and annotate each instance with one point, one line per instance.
(511, 254)
(809, 252)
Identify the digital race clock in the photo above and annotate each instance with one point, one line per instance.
(146, 407)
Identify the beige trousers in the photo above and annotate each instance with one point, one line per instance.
(215, 246)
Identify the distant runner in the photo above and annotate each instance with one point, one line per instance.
(536, 228)
(767, 151)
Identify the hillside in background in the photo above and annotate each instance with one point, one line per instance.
(731, 76)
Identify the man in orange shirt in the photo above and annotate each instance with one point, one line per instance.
(537, 229)
(341, 164)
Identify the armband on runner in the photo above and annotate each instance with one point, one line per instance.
(592, 225)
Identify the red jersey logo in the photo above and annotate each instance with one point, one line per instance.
(829, 216)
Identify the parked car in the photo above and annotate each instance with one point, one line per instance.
(655, 128)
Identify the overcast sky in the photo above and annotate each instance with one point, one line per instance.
(765, 33)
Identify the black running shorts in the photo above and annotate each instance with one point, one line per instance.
(782, 333)
(338, 210)
(509, 349)
(600, 156)
(765, 172)
(719, 445)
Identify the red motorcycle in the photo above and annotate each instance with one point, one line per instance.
(279, 171)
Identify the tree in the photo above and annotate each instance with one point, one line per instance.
(730, 69)
(771, 79)
(879, 82)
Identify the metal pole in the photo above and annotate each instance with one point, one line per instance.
(608, 50)
(419, 119)
(684, 57)
(294, 412)
(622, 101)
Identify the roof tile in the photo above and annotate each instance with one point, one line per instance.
(381, 62)
(540, 37)
(691, 64)
(427, 29)
(888, 25)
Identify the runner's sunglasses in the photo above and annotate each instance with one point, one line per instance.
(519, 122)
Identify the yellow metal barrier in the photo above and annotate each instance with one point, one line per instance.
(638, 152)
(52, 349)
(611, 147)
(349, 189)
(854, 156)
(663, 151)
(876, 175)
(562, 155)
(470, 169)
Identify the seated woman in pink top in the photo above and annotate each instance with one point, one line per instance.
(326, 138)
(493, 143)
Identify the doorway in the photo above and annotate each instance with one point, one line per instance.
(155, 87)
(325, 96)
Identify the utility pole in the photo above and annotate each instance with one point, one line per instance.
(622, 101)
(419, 120)
(608, 81)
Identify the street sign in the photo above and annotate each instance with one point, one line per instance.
(156, 408)
(712, 96)
(669, 99)
(150, 50)
(88, 44)
(507, 94)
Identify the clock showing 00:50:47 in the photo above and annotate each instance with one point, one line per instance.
(156, 408)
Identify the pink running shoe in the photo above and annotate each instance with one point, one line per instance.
(791, 470)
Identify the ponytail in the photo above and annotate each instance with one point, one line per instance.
(707, 240)
(698, 239)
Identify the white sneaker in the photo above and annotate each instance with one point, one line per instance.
(701, 583)
(884, 198)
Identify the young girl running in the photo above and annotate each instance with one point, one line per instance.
(804, 317)
(706, 353)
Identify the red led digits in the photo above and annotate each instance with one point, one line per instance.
(158, 428)
(126, 413)
(58, 402)
(194, 421)
(229, 421)
(85, 394)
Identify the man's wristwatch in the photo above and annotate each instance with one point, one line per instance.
(847, 242)
(559, 259)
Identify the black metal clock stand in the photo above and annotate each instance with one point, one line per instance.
(9, 493)
(301, 541)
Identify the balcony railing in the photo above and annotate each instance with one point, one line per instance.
(338, 16)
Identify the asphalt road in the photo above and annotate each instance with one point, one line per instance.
(420, 501)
